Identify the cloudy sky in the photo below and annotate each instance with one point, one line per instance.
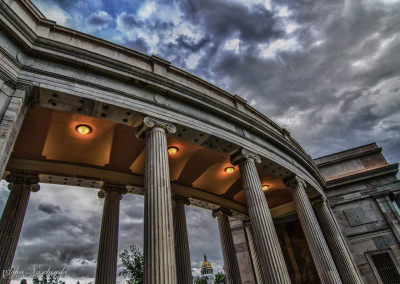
(328, 71)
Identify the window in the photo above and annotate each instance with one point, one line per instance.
(385, 267)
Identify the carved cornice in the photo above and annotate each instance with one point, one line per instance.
(181, 199)
(221, 212)
(294, 181)
(109, 188)
(243, 155)
(151, 122)
(27, 179)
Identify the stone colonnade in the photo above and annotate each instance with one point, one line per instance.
(166, 247)
(228, 247)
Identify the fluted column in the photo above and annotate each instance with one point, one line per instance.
(183, 265)
(319, 249)
(348, 270)
(11, 221)
(253, 252)
(159, 249)
(106, 271)
(266, 240)
(228, 247)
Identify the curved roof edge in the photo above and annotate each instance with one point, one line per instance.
(34, 29)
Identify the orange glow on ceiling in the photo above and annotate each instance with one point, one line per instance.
(52, 136)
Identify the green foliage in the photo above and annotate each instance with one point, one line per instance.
(219, 278)
(133, 263)
(200, 280)
(52, 279)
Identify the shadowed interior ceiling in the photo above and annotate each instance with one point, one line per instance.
(50, 135)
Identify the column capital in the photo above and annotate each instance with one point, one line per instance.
(181, 199)
(294, 181)
(27, 179)
(247, 223)
(319, 200)
(108, 188)
(221, 212)
(244, 155)
(149, 122)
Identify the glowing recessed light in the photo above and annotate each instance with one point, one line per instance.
(229, 170)
(83, 129)
(265, 187)
(173, 150)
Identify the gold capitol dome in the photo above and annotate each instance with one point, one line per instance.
(206, 267)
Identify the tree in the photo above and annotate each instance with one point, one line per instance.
(133, 263)
(200, 280)
(52, 279)
(219, 278)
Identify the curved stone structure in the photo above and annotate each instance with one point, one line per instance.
(53, 80)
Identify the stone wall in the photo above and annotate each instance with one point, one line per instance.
(359, 182)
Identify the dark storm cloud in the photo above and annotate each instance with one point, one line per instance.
(129, 21)
(66, 239)
(222, 19)
(138, 45)
(49, 208)
(318, 92)
(100, 18)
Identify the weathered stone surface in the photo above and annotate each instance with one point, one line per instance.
(360, 215)
(384, 241)
(362, 207)
(10, 125)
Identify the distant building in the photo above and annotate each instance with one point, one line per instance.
(207, 270)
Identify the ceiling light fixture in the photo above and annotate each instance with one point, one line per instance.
(173, 150)
(229, 170)
(83, 129)
(265, 187)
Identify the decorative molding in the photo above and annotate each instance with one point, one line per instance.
(294, 181)
(180, 199)
(151, 122)
(30, 180)
(244, 155)
(390, 169)
(108, 188)
(221, 212)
